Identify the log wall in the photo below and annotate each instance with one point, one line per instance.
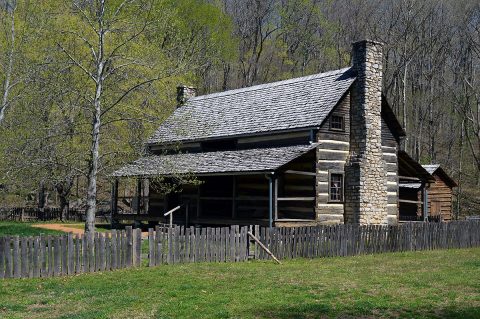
(332, 154)
(440, 199)
(389, 149)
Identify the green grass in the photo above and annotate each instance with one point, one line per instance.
(24, 229)
(433, 284)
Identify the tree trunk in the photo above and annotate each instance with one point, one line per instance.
(92, 172)
(41, 199)
(460, 176)
(63, 191)
(64, 207)
(96, 123)
(9, 71)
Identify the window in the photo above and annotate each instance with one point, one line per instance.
(336, 187)
(337, 123)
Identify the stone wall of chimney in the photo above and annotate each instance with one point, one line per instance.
(184, 93)
(365, 171)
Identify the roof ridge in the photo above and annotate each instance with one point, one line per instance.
(270, 84)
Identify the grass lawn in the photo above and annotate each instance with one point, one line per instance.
(432, 284)
(24, 229)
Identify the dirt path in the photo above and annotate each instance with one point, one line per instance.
(68, 229)
(60, 227)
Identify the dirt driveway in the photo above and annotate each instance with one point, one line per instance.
(60, 227)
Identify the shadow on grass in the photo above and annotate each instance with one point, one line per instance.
(326, 311)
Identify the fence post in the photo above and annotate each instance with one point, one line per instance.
(8, 258)
(170, 246)
(138, 247)
(69, 254)
(16, 257)
(129, 247)
(151, 245)
(56, 256)
(2, 257)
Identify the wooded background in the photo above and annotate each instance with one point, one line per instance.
(84, 82)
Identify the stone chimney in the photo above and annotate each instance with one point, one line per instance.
(184, 93)
(365, 171)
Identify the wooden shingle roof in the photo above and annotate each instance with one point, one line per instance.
(238, 161)
(285, 105)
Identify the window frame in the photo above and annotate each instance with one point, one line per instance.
(343, 122)
(342, 188)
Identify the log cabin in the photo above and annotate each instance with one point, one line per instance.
(319, 149)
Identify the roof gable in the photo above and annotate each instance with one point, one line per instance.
(435, 169)
(285, 105)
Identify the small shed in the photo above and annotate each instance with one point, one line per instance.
(440, 193)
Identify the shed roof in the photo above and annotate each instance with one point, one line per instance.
(291, 104)
(435, 169)
(238, 161)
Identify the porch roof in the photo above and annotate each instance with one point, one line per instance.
(222, 162)
(407, 166)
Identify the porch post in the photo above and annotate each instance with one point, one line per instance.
(234, 195)
(114, 201)
(187, 207)
(270, 201)
(198, 203)
(275, 198)
(425, 203)
(138, 195)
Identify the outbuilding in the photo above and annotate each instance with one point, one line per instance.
(440, 194)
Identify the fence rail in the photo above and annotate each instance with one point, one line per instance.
(47, 256)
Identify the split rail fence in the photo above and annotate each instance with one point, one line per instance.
(47, 256)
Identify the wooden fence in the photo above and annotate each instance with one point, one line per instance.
(172, 245)
(351, 240)
(185, 245)
(48, 256)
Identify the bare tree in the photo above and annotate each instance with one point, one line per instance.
(7, 13)
(104, 68)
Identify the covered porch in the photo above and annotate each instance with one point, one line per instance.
(413, 194)
(263, 186)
